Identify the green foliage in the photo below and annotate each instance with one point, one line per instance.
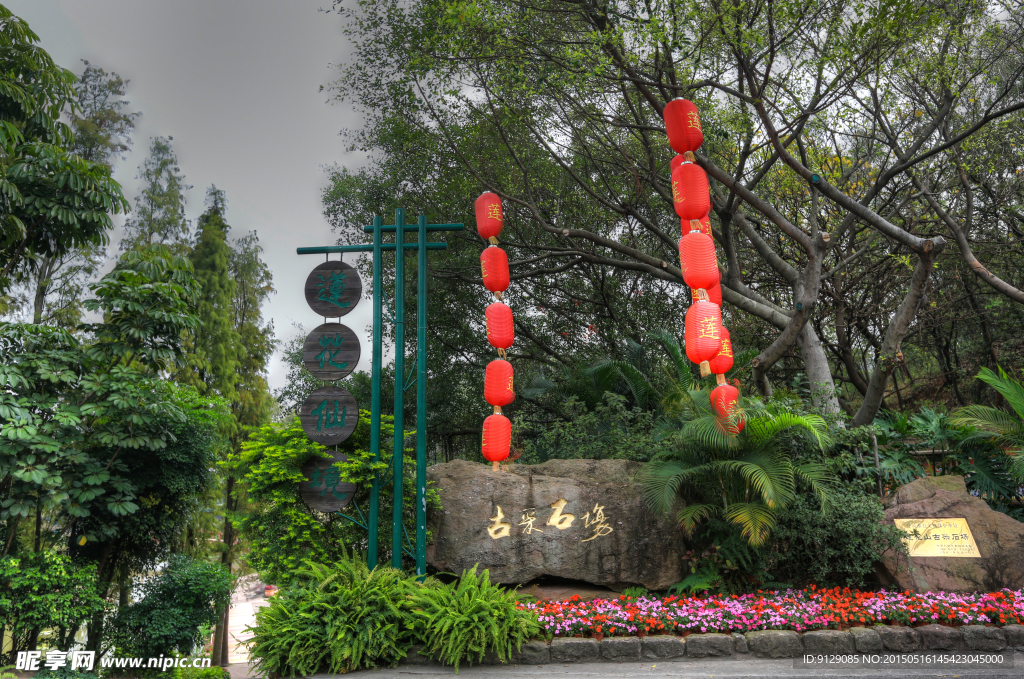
(334, 618)
(837, 547)
(611, 430)
(51, 200)
(175, 605)
(465, 619)
(746, 478)
(45, 590)
(1003, 429)
(634, 592)
(722, 561)
(159, 214)
(216, 347)
(282, 530)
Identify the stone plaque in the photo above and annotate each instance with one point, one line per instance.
(323, 490)
(939, 537)
(329, 415)
(331, 351)
(333, 289)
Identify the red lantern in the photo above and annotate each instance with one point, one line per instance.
(714, 294)
(488, 215)
(494, 269)
(697, 255)
(676, 162)
(690, 191)
(497, 438)
(498, 388)
(703, 333)
(682, 124)
(722, 362)
(724, 399)
(703, 225)
(500, 328)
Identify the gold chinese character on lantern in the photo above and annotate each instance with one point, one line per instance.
(494, 211)
(499, 529)
(528, 517)
(596, 518)
(558, 519)
(709, 328)
(726, 349)
(694, 120)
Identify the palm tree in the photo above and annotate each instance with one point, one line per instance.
(745, 478)
(1006, 429)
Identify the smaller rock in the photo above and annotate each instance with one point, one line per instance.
(532, 653)
(575, 650)
(940, 638)
(827, 641)
(708, 645)
(621, 648)
(662, 646)
(774, 643)
(899, 639)
(739, 643)
(490, 658)
(866, 640)
(1014, 636)
(415, 656)
(981, 638)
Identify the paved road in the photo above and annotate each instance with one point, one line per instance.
(740, 668)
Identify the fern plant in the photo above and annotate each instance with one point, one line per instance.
(464, 620)
(335, 618)
(1006, 429)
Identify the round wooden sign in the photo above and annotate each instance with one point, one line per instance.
(333, 289)
(323, 489)
(331, 351)
(329, 415)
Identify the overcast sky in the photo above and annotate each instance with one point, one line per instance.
(235, 82)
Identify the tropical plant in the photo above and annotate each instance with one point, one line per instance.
(745, 478)
(469, 618)
(1006, 429)
(334, 618)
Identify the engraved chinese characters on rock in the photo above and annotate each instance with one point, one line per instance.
(331, 351)
(329, 415)
(333, 289)
(595, 523)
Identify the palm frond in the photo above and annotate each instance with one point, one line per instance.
(1009, 389)
(986, 419)
(708, 431)
(661, 481)
(754, 518)
(691, 515)
(680, 363)
(770, 476)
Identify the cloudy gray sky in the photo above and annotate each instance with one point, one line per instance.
(235, 82)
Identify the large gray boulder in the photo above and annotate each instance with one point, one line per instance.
(1000, 540)
(578, 519)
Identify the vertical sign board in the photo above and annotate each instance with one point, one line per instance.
(330, 414)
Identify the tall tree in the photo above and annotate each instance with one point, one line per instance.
(51, 199)
(159, 215)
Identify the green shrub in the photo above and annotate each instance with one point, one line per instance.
(835, 548)
(176, 604)
(468, 618)
(333, 618)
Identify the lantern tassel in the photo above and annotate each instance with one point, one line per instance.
(501, 353)
(705, 368)
(497, 410)
(498, 297)
(495, 467)
(720, 379)
(493, 240)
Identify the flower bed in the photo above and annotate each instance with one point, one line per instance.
(798, 610)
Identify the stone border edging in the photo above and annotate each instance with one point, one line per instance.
(761, 643)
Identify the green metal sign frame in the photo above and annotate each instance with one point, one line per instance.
(378, 247)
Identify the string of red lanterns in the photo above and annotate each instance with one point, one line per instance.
(707, 340)
(496, 440)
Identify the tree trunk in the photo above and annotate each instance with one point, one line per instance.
(819, 374)
(894, 334)
(220, 637)
(42, 287)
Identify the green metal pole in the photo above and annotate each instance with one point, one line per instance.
(378, 296)
(396, 460)
(421, 401)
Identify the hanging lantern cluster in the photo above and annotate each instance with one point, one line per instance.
(498, 378)
(707, 340)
